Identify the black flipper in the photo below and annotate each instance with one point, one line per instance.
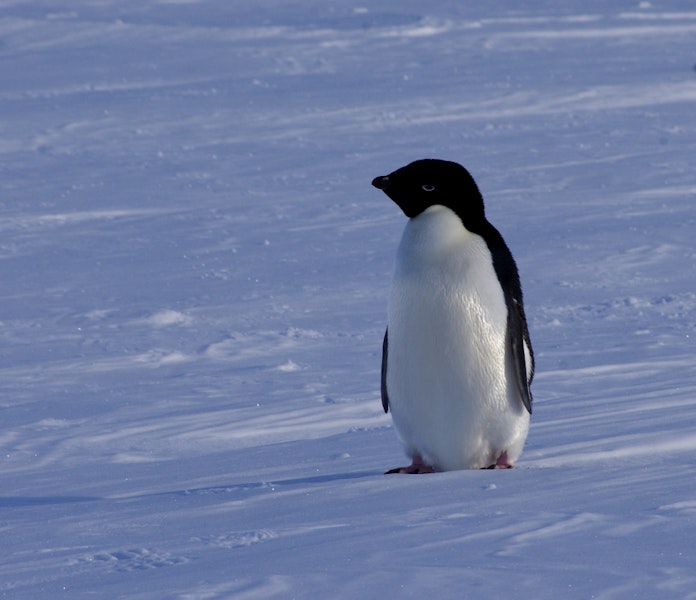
(385, 349)
(517, 331)
(518, 336)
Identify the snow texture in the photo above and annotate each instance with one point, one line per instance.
(196, 270)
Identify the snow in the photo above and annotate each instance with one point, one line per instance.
(196, 272)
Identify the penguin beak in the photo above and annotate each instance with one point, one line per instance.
(381, 183)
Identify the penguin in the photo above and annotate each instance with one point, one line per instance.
(457, 361)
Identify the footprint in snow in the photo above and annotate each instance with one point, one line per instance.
(237, 539)
(133, 559)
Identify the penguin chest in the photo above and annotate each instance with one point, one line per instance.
(447, 377)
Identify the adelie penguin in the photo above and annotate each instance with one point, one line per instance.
(457, 362)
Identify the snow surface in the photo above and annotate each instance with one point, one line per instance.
(195, 274)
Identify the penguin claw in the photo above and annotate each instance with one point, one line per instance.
(417, 467)
(411, 470)
(501, 463)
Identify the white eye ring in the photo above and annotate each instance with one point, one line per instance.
(428, 187)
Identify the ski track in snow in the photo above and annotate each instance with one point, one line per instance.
(195, 276)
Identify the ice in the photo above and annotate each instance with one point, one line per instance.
(195, 275)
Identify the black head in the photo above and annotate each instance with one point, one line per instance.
(430, 181)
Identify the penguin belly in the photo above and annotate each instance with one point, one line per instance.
(451, 390)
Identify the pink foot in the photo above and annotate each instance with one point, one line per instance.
(502, 462)
(416, 467)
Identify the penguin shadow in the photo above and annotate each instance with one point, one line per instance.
(244, 488)
(28, 501)
(330, 477)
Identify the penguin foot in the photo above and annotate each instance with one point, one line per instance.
(411, 470)
(417, 467)
(501, 463)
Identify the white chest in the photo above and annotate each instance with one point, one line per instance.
(444, 279)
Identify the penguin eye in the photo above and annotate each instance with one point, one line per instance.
(428, 187)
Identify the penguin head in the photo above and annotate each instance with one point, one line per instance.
(429, 182)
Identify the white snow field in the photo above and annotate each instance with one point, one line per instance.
(195, 271)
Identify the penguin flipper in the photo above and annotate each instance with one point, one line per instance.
(385, 350)
(521, 351)
(518, 344)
